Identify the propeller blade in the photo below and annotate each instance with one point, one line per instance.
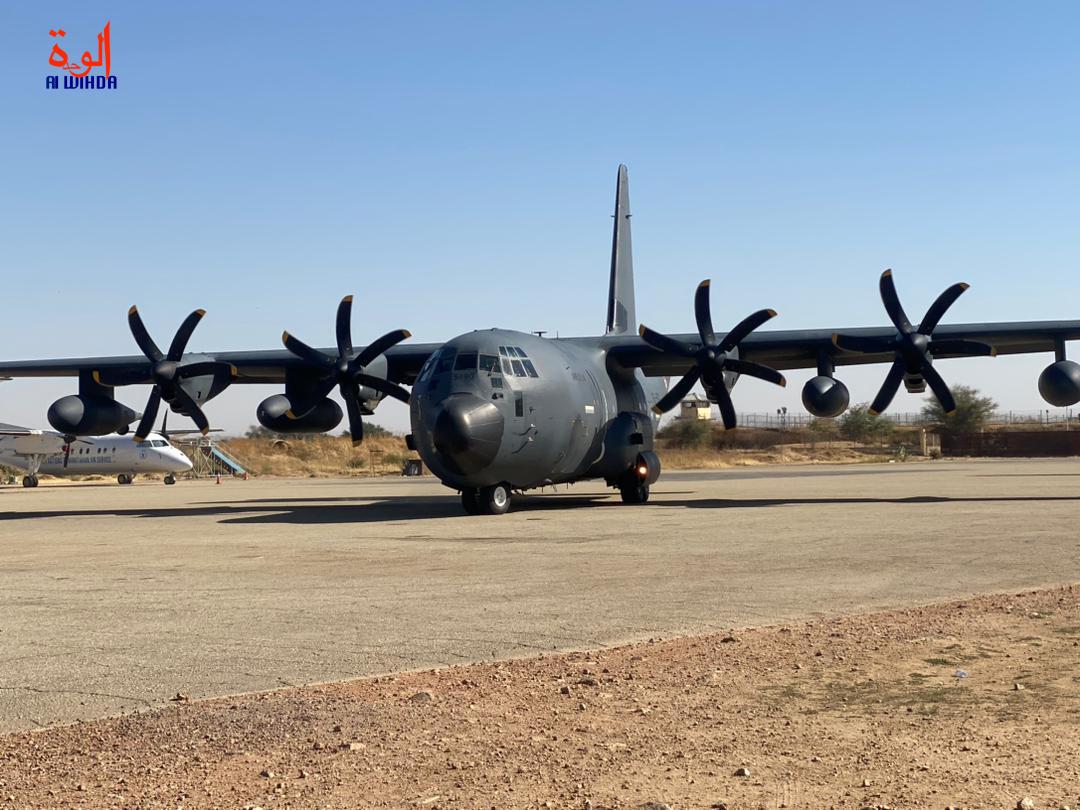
(356, 422)
(142, 337)
(192, 409)
(183, 335)
(304, 407)
(664, 343)
(146, 424)
(305, 352)
(968, 348)
(209, 368)
(702, 314)
(377, 347)
(938, 308)
(744, 328)
(383, 386)
(940, 388)
(752, 369)
(727, 407)
(892, 303)
(677, 392)
(343, 327)
(863, 345)
(888, 388)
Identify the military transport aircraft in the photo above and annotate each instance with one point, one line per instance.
(49, 453)
(496, 411)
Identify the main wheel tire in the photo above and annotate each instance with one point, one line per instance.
(30, 481)
(495, 500)
(170, 480)
(469, 502)
(634, 492)
(124, 478)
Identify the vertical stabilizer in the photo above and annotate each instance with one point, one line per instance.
(621, 317)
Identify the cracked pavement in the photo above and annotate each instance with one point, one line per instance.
(113, 599)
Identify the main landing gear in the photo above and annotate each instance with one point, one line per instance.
(30, 481)
(170, 479)
(493, 500)
(125, 478)
(634, 491)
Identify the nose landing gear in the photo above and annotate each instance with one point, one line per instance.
(170, 479)
(30, 481)
(493, 500)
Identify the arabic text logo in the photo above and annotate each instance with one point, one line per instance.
(79, 77)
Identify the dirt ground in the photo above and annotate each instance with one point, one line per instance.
(968, 704)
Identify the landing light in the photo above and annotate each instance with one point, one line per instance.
(642, 470)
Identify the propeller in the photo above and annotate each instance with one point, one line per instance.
(712, 359)
(346, 371)
(914, 349)
(167, 372)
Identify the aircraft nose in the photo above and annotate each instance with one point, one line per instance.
(467, 432)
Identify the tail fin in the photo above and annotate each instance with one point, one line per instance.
(621, 317)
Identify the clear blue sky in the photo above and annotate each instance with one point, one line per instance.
(453, 166)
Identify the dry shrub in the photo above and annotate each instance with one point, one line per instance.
(320, 456)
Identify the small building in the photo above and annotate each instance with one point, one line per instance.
(695, 408)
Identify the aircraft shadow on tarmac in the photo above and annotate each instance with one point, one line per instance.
(315, 511)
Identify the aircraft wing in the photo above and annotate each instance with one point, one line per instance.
(31, 442)
(800, 348)
(252, 367)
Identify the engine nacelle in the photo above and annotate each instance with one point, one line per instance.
(82, 415)
(1059, 383)
(323, 418)
(825, 396)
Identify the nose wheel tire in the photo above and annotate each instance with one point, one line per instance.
(494, 500)
(469, 502)
(30, 481)
(170, 479)
(634, 492)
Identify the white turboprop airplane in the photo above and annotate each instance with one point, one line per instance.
(48, 453)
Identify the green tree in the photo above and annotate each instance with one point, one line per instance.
(859, 425)
(973, 412)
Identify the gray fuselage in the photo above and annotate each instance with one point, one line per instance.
(499, 406)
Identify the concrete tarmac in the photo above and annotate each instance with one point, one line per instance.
(116, 598)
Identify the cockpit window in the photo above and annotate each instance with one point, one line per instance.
(446, 361)
(520, 352)
(530, 368)
(489, 363)
(429, 366)
(502, 351)
(519, 370)
(466, 361)
(506, 367)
